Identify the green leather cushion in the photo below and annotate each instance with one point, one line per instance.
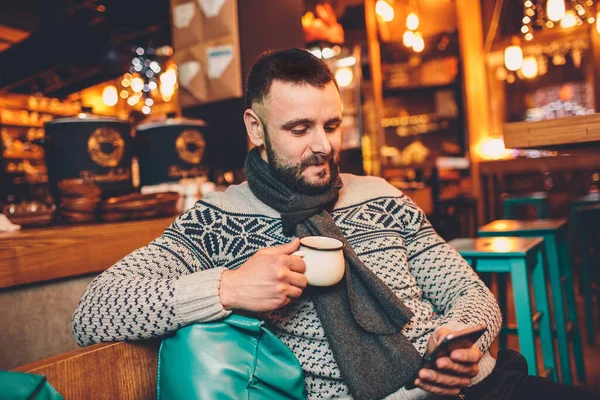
(235, 358)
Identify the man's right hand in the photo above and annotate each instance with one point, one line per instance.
(269, 280)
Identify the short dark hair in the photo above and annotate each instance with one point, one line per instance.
(289, 65)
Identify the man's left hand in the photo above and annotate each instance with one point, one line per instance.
(451, 374)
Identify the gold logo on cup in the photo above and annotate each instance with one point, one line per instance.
(190, 146)
(106, 147)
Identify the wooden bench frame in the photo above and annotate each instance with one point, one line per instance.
(122, 370)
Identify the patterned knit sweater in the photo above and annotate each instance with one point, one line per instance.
(174, 281)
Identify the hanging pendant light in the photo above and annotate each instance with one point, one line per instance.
(110, 95)
(530, 67)
(555, 10)
(569, 20)
(513, 56)
(384, 10)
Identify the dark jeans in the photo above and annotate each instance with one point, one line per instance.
(509, 381)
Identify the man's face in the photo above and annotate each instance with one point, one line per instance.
(301, 125)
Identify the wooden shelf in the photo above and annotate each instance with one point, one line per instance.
(36, 255)
(20, 125)
(578, 130)
(22, 157)
(410, 89)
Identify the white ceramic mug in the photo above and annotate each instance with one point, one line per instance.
(324, 259)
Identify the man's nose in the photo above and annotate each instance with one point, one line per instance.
(320, 142)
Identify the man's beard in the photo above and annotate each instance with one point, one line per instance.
(291, 175)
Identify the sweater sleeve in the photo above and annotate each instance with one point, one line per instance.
(460, 298)
(169, 283)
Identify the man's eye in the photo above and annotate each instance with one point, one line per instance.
(330, 129)
(299, 131)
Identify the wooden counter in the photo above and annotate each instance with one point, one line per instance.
(35, 255)
(493, 173)
(580, 131)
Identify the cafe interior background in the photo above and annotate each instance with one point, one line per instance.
(117, 115)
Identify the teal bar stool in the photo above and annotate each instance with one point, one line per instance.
(518, 257)
(554, 233)
(587, 218)
(575, 204)
(574, 227)
(538, 200)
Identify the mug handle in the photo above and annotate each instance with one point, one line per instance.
(298, 253)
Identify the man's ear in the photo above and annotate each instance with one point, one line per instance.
(254, 128)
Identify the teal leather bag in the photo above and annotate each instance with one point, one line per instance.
(24, 386)
(234, 358)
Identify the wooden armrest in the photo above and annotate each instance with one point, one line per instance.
(122, 370)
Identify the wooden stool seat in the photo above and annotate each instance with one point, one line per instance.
(497, 247)
(519, 257)
(538, 200)
(513, 227)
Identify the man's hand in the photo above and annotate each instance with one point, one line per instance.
(452, 373)
(269, 280)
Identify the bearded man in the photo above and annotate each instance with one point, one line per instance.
(404, 288)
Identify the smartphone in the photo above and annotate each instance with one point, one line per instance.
(455, 340)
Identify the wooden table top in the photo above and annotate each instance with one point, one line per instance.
(36, 255)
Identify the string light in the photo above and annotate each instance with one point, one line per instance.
(137, 84)
(554, 13)
(148, 79)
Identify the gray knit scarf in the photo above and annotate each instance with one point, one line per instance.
(361, 316)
